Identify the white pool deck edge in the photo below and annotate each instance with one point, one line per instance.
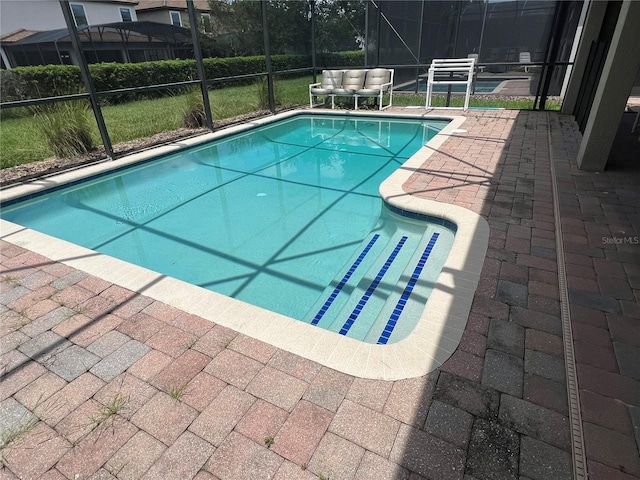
(432, 342)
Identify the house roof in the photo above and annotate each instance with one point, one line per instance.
(17, 35)
(108, 32)
(133, 2)
(143, 5)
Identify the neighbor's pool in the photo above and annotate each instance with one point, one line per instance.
(482, 85)
(286, 216)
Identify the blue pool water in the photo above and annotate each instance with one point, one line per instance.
(286, 217)
(482, 85)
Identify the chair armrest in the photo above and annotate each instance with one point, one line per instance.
(383, 86)
(386, 86)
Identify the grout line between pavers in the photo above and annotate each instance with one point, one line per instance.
(575, 415)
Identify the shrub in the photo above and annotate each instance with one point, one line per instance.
(66, 127)
(13, 89)
(51, 80)
(194, 115)
(12, 86)
(262, 86)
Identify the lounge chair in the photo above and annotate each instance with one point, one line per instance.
(352, 81)
(378, 82)
(451, 71)
(331, 79)
(525, 58)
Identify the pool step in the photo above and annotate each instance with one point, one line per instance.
(380, 287)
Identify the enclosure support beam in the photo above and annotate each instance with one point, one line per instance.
(366, 34)
(484, 23)
(197, 52)
(313, 40)
(86, 77)
(590, 32)
(556, 34)
(267, 56)
(419, 47)
(618, 74)
(379, 20)
(5, 59)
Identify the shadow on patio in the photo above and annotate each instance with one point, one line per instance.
(197, 400)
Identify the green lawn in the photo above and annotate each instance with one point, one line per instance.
(20, 141)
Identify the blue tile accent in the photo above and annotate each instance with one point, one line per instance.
(344, 281)
(365, 298)
(421, 216)
(397, 311)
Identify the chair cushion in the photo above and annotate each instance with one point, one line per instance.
(353, 79)
(370, 92)
(376, 77)
(343, 91)
(331, 78)
(321, 91)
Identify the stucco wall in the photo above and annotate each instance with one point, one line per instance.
(160, 16)
(41, 15)
(47, 14)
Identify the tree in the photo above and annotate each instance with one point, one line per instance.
(340, 25)
(238, 25)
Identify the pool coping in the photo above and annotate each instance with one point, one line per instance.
(434, 339)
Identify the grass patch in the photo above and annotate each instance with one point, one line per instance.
(12, 436)
(20, 143)
(106, 416)
(66, 127)
(194, 115)
(176, 392)
(9, 280)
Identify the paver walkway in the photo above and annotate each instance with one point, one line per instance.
(100, 382)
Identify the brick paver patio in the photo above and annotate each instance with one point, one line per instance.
(101, 383)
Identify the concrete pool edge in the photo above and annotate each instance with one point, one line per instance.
(431, 343)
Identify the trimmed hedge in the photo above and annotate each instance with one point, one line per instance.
(52, 80)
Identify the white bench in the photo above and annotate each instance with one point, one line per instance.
(451, 71)
(356, 83)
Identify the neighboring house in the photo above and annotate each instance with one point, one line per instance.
(35, 33)
(173, 12)
(44, 15)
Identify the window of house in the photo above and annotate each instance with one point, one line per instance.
(175, 19)
(125, 14)
(206, 22)
(79, 15)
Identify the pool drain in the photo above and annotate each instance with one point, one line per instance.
(575, 417)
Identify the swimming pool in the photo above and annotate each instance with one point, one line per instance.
(482, 85)
(273, 217)
(259, 201)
